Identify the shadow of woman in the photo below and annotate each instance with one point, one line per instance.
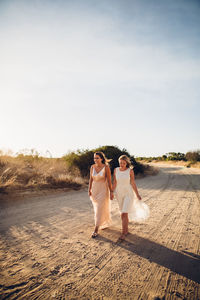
(184, 264)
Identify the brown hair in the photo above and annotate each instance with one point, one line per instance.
(126, 159)
(103, 157)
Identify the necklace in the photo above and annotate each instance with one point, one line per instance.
(99, 168)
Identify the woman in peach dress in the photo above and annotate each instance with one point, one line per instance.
(100, 191)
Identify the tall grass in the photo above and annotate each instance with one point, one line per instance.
(32, 171)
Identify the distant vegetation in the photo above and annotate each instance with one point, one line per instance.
(29, 170)
(191, 157)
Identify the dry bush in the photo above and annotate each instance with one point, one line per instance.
(24, 172)
(193, 156)
(147, 171)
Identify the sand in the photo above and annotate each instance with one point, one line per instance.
(46, 249)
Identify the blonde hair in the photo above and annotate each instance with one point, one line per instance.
(127, 160)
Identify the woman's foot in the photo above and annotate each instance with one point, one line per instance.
(122, 236)
(94, 235)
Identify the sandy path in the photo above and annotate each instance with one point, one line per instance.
(46, 251)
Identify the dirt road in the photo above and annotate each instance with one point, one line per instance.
(46, 251)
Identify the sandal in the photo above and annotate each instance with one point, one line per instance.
(122, 237)
(94, 235)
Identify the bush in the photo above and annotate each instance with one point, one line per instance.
(193, 156)
(176, 156)
(164, 157)
(83, 159)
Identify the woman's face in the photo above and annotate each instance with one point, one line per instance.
(97, 159)
(123, 164)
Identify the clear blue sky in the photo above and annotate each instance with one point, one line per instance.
(80, 74)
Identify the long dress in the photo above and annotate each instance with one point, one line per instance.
(100, 199)
(128, 203)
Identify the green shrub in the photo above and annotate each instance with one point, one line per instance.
(83, 159)
(176, 156)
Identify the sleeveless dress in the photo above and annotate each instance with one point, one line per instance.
(128, 203)
(100, 199)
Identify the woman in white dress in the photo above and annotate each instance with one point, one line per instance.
(100, 191)
(130, 207)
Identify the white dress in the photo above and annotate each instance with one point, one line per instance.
(128, 203)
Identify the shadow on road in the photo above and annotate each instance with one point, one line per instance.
(176, 181)
(185, 264)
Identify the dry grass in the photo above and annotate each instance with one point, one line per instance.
(26, 172)
(196, 165)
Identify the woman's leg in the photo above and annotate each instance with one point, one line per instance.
(124, 217)
(126, 225)
(96, 229)
(95, 233)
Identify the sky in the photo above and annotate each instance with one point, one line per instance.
(78, 74)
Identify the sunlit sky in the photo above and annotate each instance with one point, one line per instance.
(79, 74)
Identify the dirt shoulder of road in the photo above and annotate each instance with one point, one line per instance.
(176, 163)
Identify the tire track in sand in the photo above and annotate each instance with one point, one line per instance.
(65, 263)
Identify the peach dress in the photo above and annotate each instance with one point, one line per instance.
(100, 198)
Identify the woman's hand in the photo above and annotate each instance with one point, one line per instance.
(139, 197)
(111, 195)
(89, 192)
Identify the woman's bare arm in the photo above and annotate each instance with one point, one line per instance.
(90, 182)
(114, 180)
(132, 180)
(108, 176)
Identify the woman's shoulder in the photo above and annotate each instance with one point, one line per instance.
(106, 166)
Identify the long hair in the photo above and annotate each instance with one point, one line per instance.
(103, 157)
(127, 160)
